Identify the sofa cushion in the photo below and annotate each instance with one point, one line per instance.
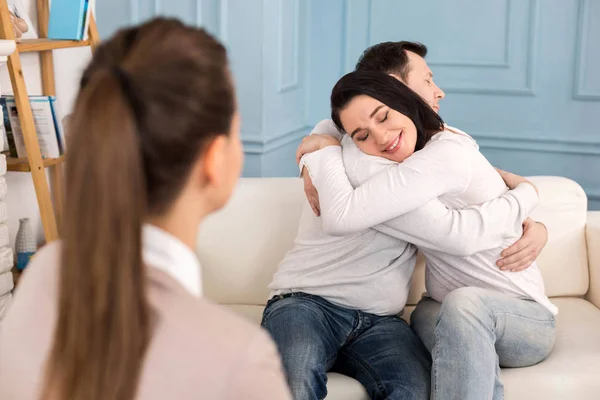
(241, 246)
(563, 209)
(571, 372)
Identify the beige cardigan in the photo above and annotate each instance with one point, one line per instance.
(198, 350)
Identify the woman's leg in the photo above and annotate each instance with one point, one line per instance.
(308, 332)
(388, 359)
(477, 331)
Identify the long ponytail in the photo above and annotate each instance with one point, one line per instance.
(151, 99)
(103, 319)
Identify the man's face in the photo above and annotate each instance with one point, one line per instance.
(420, 80)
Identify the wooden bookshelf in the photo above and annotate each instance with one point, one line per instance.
(34, 163)
(22, 164)
(29, 45)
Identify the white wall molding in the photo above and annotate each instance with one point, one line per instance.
(255, 144)
(581, 54)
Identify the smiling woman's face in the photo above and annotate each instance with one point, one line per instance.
(379, 130)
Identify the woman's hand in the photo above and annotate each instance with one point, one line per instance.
(313, 143)
(513, 180)
(526, 250)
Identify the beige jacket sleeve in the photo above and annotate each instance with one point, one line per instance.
(259, 374)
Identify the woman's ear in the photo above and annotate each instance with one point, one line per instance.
(212, 162)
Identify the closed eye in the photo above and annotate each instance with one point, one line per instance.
(384, 117)
(363, 138)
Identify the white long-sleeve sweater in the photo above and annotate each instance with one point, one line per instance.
(370, 270)
(450, 168)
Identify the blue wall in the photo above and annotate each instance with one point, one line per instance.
(518, 74)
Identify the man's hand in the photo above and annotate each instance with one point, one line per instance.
(524, 252)
(313, 143)
(513, 180)
(311, 192)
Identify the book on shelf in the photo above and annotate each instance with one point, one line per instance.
(8, 147)
(68, 19)
(47, 126)
(22, 25)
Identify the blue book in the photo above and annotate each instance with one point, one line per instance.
(67, 19)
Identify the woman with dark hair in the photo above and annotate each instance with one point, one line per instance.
(115, 310)
(399, 155)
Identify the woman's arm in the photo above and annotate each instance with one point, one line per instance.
(441, 167)
(464, 232)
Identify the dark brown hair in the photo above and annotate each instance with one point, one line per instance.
(391, 92)
(390, 57)
(152, 97)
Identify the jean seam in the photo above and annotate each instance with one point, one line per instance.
(370, 371)
(551, 319)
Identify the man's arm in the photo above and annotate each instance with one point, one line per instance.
(324, 127)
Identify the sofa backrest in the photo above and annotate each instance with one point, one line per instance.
(241, 246)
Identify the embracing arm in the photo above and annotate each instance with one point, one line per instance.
(464, 232)
(441, 167)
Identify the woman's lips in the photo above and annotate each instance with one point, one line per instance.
(394, 145)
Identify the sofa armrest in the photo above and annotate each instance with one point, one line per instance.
(592, 235)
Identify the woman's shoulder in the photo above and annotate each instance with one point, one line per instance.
(199, 321)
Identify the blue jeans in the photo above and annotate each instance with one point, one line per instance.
(476, 331)
(315, 336)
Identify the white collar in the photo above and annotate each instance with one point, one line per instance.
(165, 252)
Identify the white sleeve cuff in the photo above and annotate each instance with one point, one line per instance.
(316, 161)
(527, 197)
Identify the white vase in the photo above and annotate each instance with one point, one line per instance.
(25, 245)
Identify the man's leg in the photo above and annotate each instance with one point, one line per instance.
(479, 330)
(423, 320)
(388, 359)
(308, 332)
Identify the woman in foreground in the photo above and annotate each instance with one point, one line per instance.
(115, 310)
(475, 317)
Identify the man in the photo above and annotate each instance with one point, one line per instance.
(335, 300)
(406, 62)
(410, 68)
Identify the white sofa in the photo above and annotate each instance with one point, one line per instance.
(241, 246)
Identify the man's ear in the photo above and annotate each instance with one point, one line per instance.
(397, 77)
(212, 162)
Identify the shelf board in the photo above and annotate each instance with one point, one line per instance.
(22, 164)
(28, 45)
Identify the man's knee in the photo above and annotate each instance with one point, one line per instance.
(463, 301)
(463, 311)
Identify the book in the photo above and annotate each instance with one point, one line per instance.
(67, 19)
(47, 126)
(87, 12)
(21, 20)
(9, 140)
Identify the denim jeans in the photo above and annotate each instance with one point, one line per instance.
(476, 331)
(315, 336)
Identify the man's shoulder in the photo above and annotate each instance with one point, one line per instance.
(361, 166)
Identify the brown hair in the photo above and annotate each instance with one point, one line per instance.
(390, 57)
(391, 92)
(152, 97)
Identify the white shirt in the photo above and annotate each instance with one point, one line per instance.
(165, 252)
(371, 270)
(450, 168)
